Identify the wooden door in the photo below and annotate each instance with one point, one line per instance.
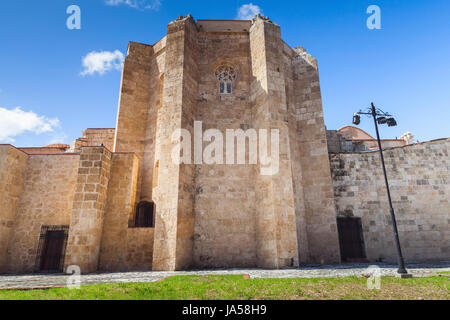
(351, 240)
(52, 253)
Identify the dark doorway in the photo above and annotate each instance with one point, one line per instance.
(53, 250)
(145, 212)
(351, 240)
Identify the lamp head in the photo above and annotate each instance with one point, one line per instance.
(382, 120)
(391, 122)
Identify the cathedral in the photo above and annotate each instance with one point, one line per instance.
(116, 200)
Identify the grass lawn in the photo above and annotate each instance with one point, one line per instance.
(236, 287)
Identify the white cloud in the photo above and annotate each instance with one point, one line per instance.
(14, 122)
(248, 11)
(137, 4)
(101, 62)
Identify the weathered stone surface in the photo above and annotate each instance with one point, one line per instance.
(419, 182)
(174, 229)
(88, 212)
(124, 247)
(94, 137)
(46, 199)
(275, 218)
(12, 172)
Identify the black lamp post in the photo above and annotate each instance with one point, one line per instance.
(380, 117)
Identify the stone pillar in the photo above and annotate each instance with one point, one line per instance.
(86, 222)
(12, 171)
(119, 213)
(318, 195)
(174, 194)
(275, 215)
(134, 99)
(137, 112)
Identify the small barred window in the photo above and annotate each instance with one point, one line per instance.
(225, 75)
(145, 215)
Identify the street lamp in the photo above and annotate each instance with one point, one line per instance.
(380, 117)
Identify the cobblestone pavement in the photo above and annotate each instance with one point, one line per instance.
(312, 271)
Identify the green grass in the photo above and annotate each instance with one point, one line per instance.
(236, 287)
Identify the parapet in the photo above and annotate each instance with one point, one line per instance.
(224, 25)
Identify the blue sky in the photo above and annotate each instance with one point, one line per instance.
(404, 67)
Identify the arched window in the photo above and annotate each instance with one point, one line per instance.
(145, 215)
(226, 76)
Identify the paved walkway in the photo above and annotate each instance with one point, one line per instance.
(345, 270)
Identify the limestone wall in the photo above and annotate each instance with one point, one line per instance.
(94, 137)
(419, 179)
(229, 215)
(224, 194)
(313, 187)
(134, 100)
(45, 200)
(87, 216)
(12, 171)
(124, 248)
(223, 26)
(337, 143)
(155, 103)
(289, 62)
(140, 99)
(276, 233)
(189, 98)
(174, 188)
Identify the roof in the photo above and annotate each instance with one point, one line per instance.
(57, 146)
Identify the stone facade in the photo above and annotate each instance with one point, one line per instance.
(212, 214)
(419, 182)
(12, 172)
(134, 250)
(88, 212)
(46, 199)
(95, 137)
